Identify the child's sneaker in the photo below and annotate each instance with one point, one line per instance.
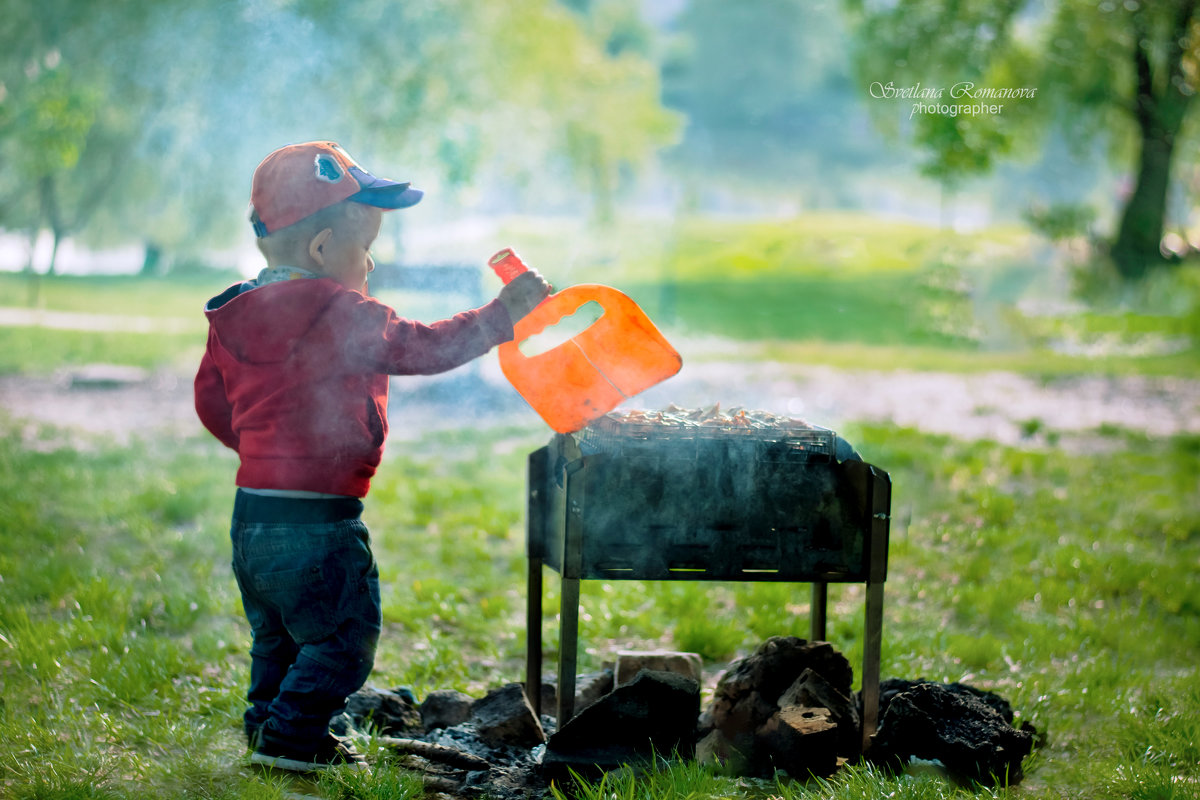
(333, 752)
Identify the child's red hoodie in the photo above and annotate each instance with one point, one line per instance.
(295, 377)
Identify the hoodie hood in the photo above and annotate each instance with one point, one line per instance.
(262, 324)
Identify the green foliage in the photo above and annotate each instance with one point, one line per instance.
(931, 48)
(1062, 220)
(55, 122)
(1064, 54)
(110, 107)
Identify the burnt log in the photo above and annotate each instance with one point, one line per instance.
(748, 693)
(812, 691)
(802, 741)
(436, 752)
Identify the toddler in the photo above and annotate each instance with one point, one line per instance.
(295, 379)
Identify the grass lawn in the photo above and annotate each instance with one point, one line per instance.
(1064, 581)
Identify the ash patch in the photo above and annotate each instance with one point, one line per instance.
(488, 753)
(514, 772)
(787, 709)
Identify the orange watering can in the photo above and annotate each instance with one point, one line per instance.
(585, 377)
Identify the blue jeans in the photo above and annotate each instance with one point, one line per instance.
(310, 590)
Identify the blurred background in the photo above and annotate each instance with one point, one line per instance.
(960, 232)
(968, 175)
(129, 131)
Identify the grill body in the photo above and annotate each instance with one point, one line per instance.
(625, 502)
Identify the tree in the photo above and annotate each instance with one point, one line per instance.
(1124, 69)
(153, 114)
(1165, 55)
(62, 137)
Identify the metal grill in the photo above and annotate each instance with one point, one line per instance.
(622, 500)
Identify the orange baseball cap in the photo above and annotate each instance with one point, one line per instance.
(299, 180)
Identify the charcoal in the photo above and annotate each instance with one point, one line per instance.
(591, 687)
(893, 686)
(392, 712)
(654, 714)
(954, 726)
(445, 708)
(715, 748)
(504, 716)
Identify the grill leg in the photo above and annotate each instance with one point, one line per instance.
(820, 598)
(533, 636)
(568, 649)
(872, 648)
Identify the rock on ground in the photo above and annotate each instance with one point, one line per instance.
(630, 662)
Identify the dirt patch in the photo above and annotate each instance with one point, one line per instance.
(1000, 406)
(89, 409)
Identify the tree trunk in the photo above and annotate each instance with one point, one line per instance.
(1136, 249)
(53, 215)
(1159, 107)
(55, 238)
(152, 259)
(35, 280)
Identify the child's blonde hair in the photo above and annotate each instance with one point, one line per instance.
(289, 246)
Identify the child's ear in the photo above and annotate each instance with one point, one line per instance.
(316, 246)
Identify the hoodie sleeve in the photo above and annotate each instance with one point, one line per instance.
(212, 404)
(377, 339)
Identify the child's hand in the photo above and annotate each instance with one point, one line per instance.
(523, 293)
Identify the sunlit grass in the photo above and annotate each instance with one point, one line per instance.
(125, 295)
(846, 290)
(683, 247)
(1064, 582)
(34, 350)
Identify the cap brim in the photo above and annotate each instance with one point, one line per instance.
(383, 193)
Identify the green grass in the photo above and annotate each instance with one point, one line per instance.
(181, 297)
(171, 309)
(839, 289)
(1064, 582)
(31, 350)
